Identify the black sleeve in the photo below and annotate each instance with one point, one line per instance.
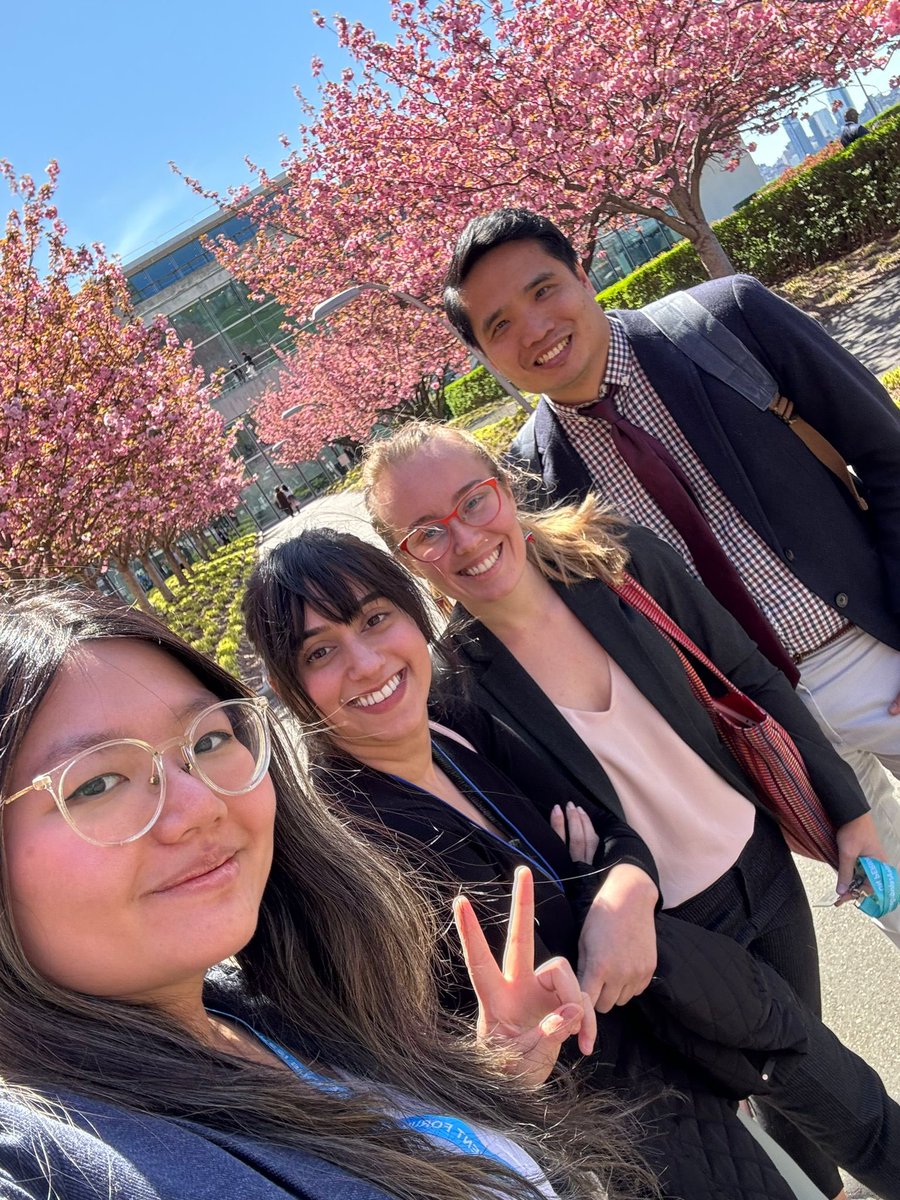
(544, 786)
(663, 573)
(841, 399)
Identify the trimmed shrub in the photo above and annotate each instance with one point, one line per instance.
(350, 482)
(207, 613)
(893, 111)
(472, 391)
(670, 271)
(891, 380)
(496, 437)
(819, 214)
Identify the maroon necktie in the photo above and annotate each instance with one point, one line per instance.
(655, 468)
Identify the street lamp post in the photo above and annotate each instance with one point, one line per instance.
(333, 303)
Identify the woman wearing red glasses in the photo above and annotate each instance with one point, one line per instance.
(598, 694)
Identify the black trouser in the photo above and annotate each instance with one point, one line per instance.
(830, 1098)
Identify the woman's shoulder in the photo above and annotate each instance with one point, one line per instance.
(650, 558)
(62, 1145)
(69, 1147)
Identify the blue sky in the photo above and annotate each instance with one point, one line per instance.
(114, 90)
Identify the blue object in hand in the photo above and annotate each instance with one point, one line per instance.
(885, 882)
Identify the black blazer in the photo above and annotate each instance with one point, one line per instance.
(453, 854)
(849, 558)
(501, 686)
(712, 1017)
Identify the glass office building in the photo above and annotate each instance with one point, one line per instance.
(226, 324)
(183, 260)
(208, 307)
(620, 251)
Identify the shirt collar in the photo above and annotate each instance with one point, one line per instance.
(619, 363)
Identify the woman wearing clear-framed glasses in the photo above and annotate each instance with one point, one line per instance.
(153, 825)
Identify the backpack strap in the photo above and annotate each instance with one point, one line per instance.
(703, 339)
(523, 449)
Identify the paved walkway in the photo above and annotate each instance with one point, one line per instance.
(870, 326)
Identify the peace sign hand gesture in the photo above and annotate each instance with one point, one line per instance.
(529, 1012)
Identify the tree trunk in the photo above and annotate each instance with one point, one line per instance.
(709, 249)
(137, 591)
(149, 565)
(205, 542)
(173, 562)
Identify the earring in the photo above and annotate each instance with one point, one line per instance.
(529, 536)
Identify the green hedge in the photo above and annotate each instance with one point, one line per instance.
(893, 111)
(817, 215)
(207, 613)
(472, 391)
(497, 436)
(891, 380)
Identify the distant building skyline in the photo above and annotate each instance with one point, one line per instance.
(798, 138)
(824, 127)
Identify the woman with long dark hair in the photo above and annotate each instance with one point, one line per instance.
(344, 631)
(152, 825)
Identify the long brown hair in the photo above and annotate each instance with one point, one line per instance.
(566, 542)
(342, 952)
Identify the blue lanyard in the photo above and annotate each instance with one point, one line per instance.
(447, 1129)
(534, 856)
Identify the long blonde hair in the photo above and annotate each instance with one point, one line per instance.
(566, 542)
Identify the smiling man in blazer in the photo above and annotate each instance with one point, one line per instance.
(815, 563)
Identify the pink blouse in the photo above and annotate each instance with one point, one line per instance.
(694, 823)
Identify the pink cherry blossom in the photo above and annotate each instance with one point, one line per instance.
(108, 443)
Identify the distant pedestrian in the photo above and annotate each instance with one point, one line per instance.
(852, 130)
(236, 371)
(283, 500)
(249, 366)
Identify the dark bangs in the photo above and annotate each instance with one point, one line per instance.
(333, 572)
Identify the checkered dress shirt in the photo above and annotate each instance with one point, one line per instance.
(801, 619)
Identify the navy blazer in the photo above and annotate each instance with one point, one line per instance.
(849, 558)
(70, 1147)
(96, 1151)
(501, 686)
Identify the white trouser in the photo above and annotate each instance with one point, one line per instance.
(848, 686)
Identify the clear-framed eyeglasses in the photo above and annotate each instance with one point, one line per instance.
(113, 793)
(479, 505)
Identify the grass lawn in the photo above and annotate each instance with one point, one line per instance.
(827, 289)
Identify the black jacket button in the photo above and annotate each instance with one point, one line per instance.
(789, 555)
(842, 599)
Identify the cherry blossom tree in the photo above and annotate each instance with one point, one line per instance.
(108, 443)
(587, 111)
(581, 109)
(375, 358)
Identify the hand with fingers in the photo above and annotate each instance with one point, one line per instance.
(617, 946)
(529, 1011)
(857, 839)
(576, 829)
